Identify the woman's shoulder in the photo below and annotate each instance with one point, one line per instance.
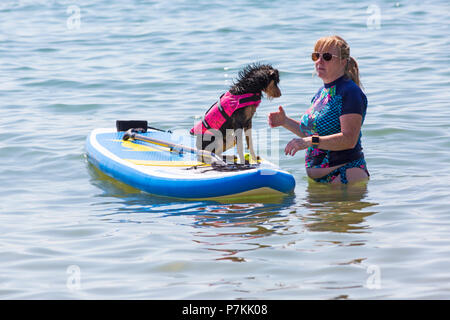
(348, 85)
(348, 88)
(353, 98)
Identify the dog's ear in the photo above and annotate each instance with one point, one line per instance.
(274, 75)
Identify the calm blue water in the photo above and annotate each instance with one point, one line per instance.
(69, 232)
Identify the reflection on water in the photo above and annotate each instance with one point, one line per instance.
(231, 234)
(337, 208)
(222, 227)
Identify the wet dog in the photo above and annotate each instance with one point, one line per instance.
(230, 118)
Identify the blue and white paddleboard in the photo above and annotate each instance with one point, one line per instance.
(164, 171)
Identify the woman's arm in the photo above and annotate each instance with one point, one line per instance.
(346, 139)
(293, 126)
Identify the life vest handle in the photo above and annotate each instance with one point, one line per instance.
(215, 103)
(219, 106)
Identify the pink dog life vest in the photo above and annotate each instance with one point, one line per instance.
(222, 110)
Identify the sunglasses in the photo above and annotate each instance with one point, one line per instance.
(326, 56)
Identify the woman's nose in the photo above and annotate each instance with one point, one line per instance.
(320, 60)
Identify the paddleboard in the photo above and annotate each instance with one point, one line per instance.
(164, 171)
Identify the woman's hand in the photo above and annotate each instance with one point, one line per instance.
(295, 145)
(278, 118)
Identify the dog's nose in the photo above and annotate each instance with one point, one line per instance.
(278, 93)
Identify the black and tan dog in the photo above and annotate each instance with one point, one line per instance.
(230, 118)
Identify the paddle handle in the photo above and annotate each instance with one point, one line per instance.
(133, 135)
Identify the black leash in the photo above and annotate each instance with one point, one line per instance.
(137, 125)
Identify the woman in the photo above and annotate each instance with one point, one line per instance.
(331, 128)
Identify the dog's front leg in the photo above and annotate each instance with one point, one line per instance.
(249, 140)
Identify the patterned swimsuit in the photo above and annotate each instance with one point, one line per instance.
(333, 100)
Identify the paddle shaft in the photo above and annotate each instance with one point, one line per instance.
(130, 134)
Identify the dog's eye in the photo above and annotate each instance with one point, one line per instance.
(274, 76)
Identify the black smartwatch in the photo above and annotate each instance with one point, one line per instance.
(315, 140)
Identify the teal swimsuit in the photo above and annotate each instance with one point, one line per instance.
(333, 100)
